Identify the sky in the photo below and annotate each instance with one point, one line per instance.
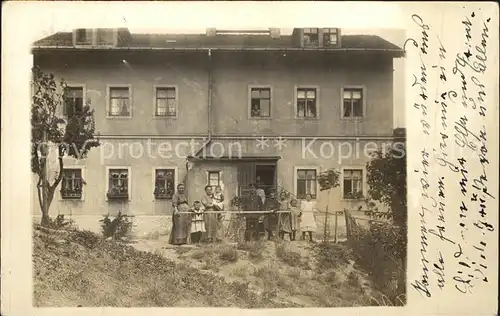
(195, 17)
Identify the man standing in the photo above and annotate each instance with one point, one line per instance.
(252, 203)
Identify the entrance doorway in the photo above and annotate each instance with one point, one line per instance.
(265, 176)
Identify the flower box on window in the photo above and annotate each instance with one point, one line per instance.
(71, 194)
(117, 194)
(163, 194)
(354, 196)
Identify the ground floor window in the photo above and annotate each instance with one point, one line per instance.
(164, 183)
(306, 183)
(118, 181)
(353, 183)
(72, 183)
(214, 178)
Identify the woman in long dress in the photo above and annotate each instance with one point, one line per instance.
(285, 220)
(308, 218)
(211, 219)
(271, 219)
(180, 220)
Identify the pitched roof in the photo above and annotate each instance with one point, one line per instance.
(243, 42)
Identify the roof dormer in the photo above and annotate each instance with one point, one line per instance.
(314, 37)
(95, 37)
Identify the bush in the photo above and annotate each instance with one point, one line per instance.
(330, 255)
(380, 251)
(60, 223)
(118, 228)
(85, 238)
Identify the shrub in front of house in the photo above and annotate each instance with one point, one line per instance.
(118, 228)
(379, 250)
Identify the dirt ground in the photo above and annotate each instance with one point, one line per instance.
(81, 269)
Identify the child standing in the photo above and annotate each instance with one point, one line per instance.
(308, 218)
(197, 222)
(295, 218)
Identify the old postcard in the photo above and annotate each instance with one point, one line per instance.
(250, 155)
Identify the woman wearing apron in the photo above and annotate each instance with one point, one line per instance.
(180, 218)
(211, 219)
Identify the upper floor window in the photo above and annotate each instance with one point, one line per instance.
(119, 102)
(118, 183)
(73, 100)
(72, 183)
(166, 102)
(311, 37)
(260, 102)
(352, 102)
(164, 183)
(307, 102)
(214, 178)
(306, 183)
(83, 37)
(330, 37)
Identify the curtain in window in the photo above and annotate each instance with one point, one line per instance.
(119, 102)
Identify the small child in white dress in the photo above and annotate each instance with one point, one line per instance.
(308, 218)
(197, 222)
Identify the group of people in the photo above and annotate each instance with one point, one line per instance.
(283, 215)
(201, 218)
(263, 214)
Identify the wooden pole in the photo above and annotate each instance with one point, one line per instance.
(347, 225)
(336, 225)
(278, 228)
(325, 238)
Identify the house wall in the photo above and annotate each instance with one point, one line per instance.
(122, 137)
(232, 78)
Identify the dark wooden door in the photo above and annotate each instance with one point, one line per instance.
(246, 176)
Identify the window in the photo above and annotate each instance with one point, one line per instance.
(72, 184)
(119, 102)
(306, 183)
(73, 100)
(166, 102)
(353, 183)
(260, 102)
(83, 37)
(213, 178)
(330, 37)
(306, 102)
(118, 183)
(311, 37)
(105, 37)
(353, 102)
(164, 183)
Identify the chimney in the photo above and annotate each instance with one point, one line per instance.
(274, 32)
(211, 31)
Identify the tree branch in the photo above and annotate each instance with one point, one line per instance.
(60, 175)
(39, 191)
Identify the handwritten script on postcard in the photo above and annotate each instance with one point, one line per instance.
(453, 105)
